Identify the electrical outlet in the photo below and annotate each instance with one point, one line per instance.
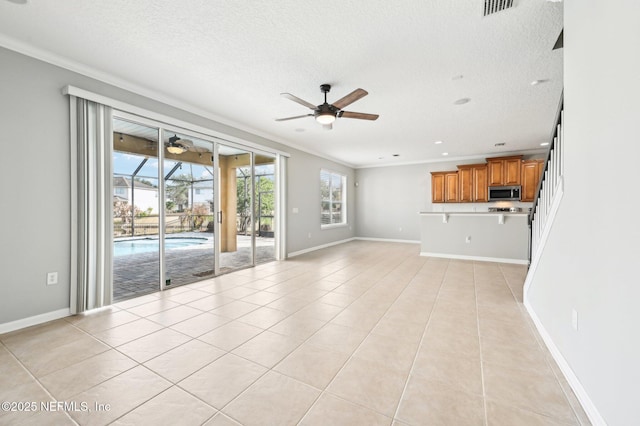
(295, 210)
(468, 239)
(52, 278)
(574, 319)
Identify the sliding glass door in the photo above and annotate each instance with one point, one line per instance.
(265, 207)
(136, 208)
(186, 207)
(189, 206)
(235, 208)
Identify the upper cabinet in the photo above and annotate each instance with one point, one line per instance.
(504, 170)
(451, 187)
(469, 184)
(472, 183)
(444, 187)
(437, 187)
(531, 174)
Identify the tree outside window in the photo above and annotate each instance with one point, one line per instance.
(333, 198)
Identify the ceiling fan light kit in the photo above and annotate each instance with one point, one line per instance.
(175, 149)
(176, 145)
(326, 117)
(327, 113)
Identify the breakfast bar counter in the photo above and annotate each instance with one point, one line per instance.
(486, 236)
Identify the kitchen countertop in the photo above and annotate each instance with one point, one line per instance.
(476, 213)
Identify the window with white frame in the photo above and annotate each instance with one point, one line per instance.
(333, 195)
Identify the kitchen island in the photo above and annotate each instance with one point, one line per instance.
(486, 236)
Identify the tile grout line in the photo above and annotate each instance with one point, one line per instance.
(34, 378)
(268, 369)
(230, 352)
(141, 364)
(322, 391)
(482, 375)
(424, 332)
(544, 349)
(351, 356)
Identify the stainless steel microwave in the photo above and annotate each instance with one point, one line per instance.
(505, 193)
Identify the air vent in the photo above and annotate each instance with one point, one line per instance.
(493, 6)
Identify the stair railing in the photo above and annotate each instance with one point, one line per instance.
(550, 188)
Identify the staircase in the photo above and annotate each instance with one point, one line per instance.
(548, 195)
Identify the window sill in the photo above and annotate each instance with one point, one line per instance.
(334, 225)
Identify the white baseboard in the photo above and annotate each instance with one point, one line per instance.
(335, 243)
(478, 258)
(388, 240)
(34, 320)
(310, 249)
(582, 395)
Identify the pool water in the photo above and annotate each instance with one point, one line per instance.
(147, 245)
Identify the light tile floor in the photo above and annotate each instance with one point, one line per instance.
(364, 333)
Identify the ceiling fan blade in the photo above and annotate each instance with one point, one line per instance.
(327, 126)
(293, 118)
(350, 98)
(298, 100)
(185, 142)
(359, 115)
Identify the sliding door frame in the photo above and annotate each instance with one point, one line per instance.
(252, 149)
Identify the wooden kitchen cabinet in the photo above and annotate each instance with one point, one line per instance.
(504, 171)
(444, 187)
(437, 187)
(531, 174)
(472, 183)
(451, 187)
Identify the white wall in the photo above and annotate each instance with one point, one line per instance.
(35, 212)
(590, 260)
(303, 192)
(488, 238)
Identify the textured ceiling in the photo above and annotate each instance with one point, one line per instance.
(231, 60)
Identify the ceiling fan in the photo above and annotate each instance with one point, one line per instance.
(327, 113)
(178, 146)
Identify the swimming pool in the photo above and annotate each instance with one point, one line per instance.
(147, 245)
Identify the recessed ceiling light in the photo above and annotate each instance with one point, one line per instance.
(438, 142)
(462, 101)
(445, 153)
(544, 144)
(396, 155)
